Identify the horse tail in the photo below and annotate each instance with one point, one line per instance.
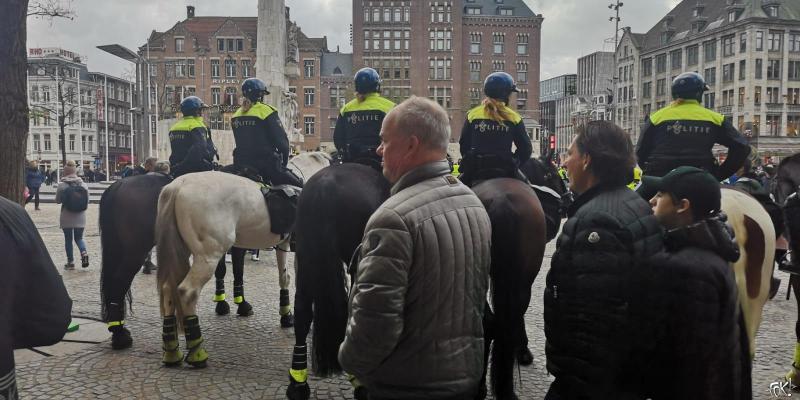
(113, 247)
(173, 254)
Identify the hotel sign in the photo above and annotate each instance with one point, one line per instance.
(221, 81)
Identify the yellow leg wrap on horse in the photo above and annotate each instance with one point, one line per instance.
(353, 381)
(299, 375)
(285, 310)
(238, 299)
(797, 354)
(219, 297)
(120, 323)
(197, 353)
(172, 354)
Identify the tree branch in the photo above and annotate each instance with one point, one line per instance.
(50, 9)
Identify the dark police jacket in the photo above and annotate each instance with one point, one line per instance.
(684, 133)
(189, 141)
(259, 135)
(359, 123)
(483, 135)
(590, 298)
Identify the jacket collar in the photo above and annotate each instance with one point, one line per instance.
(710, 234)
(421, 173)
(588, 195)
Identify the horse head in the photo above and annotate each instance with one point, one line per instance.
(543, 173)
(787, 179)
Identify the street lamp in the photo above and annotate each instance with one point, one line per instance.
(615, 6)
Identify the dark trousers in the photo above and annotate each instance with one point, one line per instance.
(33, 194)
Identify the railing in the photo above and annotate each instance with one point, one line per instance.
(793, 107)
(775, 107)
(725, 109)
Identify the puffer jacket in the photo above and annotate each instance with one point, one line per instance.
(33, 178)
(591, 293)
(700, 346)
(415, 327)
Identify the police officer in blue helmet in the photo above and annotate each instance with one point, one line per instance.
(489, 132)
(261, 142)
(357, 132)
(684, 132)
(190, 141)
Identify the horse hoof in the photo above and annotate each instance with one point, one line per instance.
(172, 364)
(287, 321)
(245, 309)
(524, 356)
(121, 339)
(222, 308)
(360, 393)
(198, 364)
(298, 390)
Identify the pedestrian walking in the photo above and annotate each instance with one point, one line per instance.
(33, 181)
(406, 340)
(701, 346)
(48, 177)
(73, 195)
(589, 306)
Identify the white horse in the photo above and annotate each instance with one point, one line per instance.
(755, 235)
(202, 215)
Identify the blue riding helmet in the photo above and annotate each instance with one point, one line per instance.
(191, 106)
(254, 89)
(689, 86)
(367, 80)
(499, 85)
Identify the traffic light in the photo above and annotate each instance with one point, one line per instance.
(552, 142)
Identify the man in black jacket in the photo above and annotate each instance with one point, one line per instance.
(699, 344)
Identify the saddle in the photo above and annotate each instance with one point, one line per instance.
(281, 199)
(243, 171)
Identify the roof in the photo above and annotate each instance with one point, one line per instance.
(492, 7)
(314, 44)
(203, 28)
(715, 14)
(333, 60)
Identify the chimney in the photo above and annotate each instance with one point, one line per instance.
(337, 48)
(189, 12)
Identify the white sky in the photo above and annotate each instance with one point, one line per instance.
(571, 28)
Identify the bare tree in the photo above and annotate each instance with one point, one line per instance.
(14, 120)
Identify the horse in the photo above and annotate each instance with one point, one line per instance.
(332, 213)
(127, 234)
(36, 308)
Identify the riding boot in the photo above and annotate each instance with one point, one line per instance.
(298, 375)
(196, 354)
(245, 309)
(287, 319)
(172, 353)
(222, 307)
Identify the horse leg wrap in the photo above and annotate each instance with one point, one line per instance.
(245, 309)
(285, 303)
(219, 294)
(196, 354)
(120, 336)
(298, 375)
(794, 374)
(172, 353)
(238, 293)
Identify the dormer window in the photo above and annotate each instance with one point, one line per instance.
(473, 11)
(697, 12)
(772, 11)
(732, 16)
(505, 11)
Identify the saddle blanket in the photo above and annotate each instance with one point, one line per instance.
(282, 207)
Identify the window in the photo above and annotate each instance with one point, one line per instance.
(772, 11)
(756, 125)
(441, 95)
(230, 68)
(774, 69)
(742, 42)
(757, 95)
(647, 67)
(661, 86)
(474, 96)
(180, 69)
(475, 71)
(308, 68)
(742, 68)
(398, 14)
(407, 14)
(774, 41)
(498, 65)
(522, 71)
(215, 96)
(661, 63)
(522, 44)
(793, 96)
(732, 16)
(727, 72)
(507, 11)
(441, 40)
(692, 55)
(792, 124)
(376, 14)
(794, 70)
(387, 15)
(759, 40)
(773, 124)
(230, 96)
(337, 99)
(220, 45)
(708, 100)
(246, 69)
(308, 94)
(727, 98)
(406, 39)
(741, 97)
(498, 40)
(759, 68)
(475, 43)
(676, 59)
(473, 11)
(47, 144)
(37, 145)
(439, 68)
(387, 41)
(366, 40)
(398, 40)
(727, 46)
(215, 68)
(308, 125)
(794, 42)
(190, 67)
(366, 14)
(709, 51)
(710, 75)
(773, 95)
(46, 94)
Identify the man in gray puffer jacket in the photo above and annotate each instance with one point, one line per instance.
(415, 327)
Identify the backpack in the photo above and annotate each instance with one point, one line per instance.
(75, 198)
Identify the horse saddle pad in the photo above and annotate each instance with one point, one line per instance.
(282, 207)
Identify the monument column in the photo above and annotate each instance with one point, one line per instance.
(271, 50)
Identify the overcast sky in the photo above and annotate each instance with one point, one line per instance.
(571, 28)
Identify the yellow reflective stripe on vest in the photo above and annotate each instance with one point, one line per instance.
(187, 124)
(479, 112)
(258, 110)
(116, 323)
(688, 110)
(372, 101)
(299, 375)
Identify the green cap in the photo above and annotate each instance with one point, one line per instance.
(694, 184)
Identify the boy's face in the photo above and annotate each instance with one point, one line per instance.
(670, 214)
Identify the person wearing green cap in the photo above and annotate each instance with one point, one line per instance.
(699, 343)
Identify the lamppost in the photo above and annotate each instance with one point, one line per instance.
(615, 6)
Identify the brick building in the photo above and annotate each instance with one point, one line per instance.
(444, 49)
(336, 88)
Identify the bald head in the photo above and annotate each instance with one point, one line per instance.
(425, 119)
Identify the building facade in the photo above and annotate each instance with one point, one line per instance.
(115, 121)
(626, 83)
(444, 49)
(595, 87)
(556, 112)
(749, 53)
(336, 75)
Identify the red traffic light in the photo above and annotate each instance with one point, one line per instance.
(552, 142)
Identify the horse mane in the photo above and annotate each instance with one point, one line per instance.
(16, 222)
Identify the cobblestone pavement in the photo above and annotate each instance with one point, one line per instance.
(249, 357)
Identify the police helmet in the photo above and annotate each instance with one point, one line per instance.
(367, 80)
(191, 106)
(254, 89)
(499, 85)
(689, 86)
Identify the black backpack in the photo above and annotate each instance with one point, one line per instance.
(75, 197)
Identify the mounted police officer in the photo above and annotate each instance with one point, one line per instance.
(490, 130)
(190, 141)
(684, 133)
(261, 142)
(357, 133)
